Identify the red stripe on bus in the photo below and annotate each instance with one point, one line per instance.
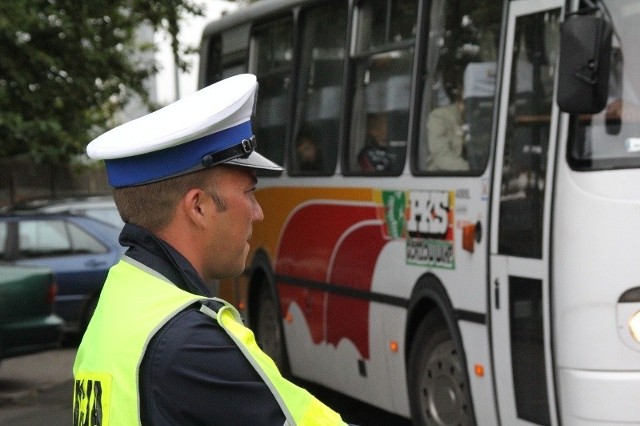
(307, 243)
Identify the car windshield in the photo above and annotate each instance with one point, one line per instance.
(611, 138)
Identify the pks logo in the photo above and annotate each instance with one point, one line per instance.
(430, 229)
(429, 214)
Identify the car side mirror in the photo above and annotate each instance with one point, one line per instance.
(583, 71)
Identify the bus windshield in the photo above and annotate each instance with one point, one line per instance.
(611, 138)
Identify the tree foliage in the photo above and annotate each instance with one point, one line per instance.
(68, 65)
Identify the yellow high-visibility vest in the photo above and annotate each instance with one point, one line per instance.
(134, 304)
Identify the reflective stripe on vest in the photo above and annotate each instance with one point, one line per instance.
(106, 372)
(299, 406)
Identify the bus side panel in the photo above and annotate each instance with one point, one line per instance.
(598, 371)
(478, 356)
(325, 279)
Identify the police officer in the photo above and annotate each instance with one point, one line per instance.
(158, 350)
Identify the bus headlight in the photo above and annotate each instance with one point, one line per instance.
(628, 313)
(634, 326)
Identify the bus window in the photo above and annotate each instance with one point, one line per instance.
(611, 138)
(233, 69)
(213, 60)
(219, 65)
(320, 90)
(380, 103)
(527, 135)
(271, 59)
(459, 93)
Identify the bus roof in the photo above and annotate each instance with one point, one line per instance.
(243, 15)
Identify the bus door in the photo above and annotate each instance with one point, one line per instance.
(519, 277)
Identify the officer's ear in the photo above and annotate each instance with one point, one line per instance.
(196, 205)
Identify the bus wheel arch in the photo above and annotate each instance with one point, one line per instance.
(437, 376)
(263, 309)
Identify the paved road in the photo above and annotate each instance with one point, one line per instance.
(30, 374)
(36, 390)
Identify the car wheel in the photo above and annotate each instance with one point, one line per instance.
(89, 309)
(438, 385)
(268, 328)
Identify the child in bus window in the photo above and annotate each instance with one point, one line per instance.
(308, 152)
(376, 156)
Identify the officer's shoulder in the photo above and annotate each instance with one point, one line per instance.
(191, 324)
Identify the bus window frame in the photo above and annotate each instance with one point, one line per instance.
(357, 55)
(289, 17)
(297, 121)
(419, 106)
(213, 66)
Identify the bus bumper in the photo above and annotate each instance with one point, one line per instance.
(599, 397)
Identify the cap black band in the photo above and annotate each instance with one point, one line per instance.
(241, 150)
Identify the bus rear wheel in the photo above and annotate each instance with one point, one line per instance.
(268, 328)
(438, 386)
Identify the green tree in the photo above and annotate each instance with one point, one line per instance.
(68, 65)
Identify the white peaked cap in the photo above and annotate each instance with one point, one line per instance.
(209, 127)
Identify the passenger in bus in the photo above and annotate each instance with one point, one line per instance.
(445, 130)
(622, 104)
(622, 110)
(375, 156)
(159, 349)
(308, 154)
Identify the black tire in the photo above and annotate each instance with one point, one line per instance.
(89, 309)
(268, 329)
(438, 384)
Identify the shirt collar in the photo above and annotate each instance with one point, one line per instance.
(157, 254)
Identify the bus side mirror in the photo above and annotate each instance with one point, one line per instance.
(583, 71)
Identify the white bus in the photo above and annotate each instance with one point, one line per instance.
(456, 236)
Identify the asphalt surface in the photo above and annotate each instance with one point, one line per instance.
(37, 390)
(29, 375)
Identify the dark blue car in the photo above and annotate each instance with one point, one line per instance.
(78, 249)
